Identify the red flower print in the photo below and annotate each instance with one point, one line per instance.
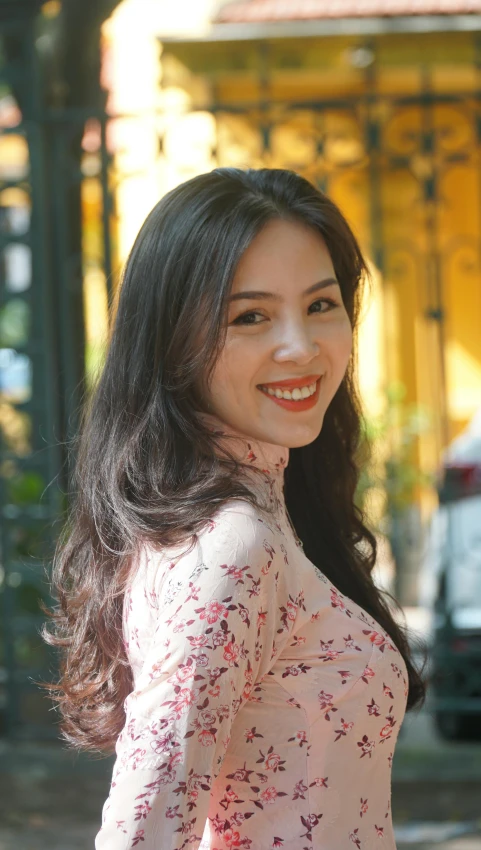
(185, 698)
(346, 727)
(345, 675)
(309, 822)
(386, 730)
(207, 718)
(244, 614)
(142, 810)
(291, 610)
(320, 782)
(212, 612)
(331, 655)
(324, 700)
(193, 795)
(376, 638)
(326, 704)
(379, 831)
(172, 812)
(229, 797)
(250, 734)
(193, 592)
(367, 746)
(232, 838)
(288, 613)
(387, 691)
(139, 836)
(206, 737)
(268, 796)
(337, 600)
(241, 774)
(231, 654)
(237, 818)
(299, 790)
(272, 761)
(368, 674)
(355, 838)
(163, 743)
(364, 807)
(294, 670)
(236, 573)
(198, 641)
(183, 674)
(220, 637)
(350, 643)
(174, 760)
(372, 708)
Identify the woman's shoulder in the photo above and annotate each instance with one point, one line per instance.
(235, 523)
(245, 518)
(237, 529)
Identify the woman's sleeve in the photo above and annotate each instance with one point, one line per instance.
(213, 641)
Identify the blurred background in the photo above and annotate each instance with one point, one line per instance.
(105, 106)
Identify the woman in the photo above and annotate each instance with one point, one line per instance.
(252, 682)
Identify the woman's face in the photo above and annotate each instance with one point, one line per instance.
(287, 333)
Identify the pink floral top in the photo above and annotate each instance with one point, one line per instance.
(266, 704)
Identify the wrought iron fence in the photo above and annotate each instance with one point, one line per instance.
(43, 260)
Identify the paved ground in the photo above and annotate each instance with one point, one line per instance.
(51, 799)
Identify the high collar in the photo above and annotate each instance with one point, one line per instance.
(269, 457)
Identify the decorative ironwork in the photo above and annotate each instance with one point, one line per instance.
(42, 351)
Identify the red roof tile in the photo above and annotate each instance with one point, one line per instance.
(250, 11)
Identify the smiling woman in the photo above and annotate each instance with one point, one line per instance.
(248, 686)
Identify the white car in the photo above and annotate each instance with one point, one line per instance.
(450, 588)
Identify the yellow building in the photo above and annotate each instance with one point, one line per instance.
(379, 107)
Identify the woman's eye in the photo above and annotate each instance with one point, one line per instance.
(243, 319)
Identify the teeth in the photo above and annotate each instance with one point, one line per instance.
(295, 395)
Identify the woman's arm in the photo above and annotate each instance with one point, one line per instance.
(214, 640)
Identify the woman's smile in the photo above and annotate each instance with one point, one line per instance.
(298, 399)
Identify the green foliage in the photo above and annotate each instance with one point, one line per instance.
(14, 323)
(389, 443)
(25, 488)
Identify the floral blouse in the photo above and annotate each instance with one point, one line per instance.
(266, 704)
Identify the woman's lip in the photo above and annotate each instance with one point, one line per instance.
(292, 384)
(299, 405)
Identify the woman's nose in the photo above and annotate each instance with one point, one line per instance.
(297, 341)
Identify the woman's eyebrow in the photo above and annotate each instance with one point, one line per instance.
(329, 281)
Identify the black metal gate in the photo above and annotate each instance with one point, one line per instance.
(42, 351)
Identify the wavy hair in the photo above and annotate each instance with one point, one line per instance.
(148, 470)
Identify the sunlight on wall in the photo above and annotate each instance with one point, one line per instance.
(372, 375)
(144, 173)
(464, 380)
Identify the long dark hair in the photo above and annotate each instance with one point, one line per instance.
(147, 469)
